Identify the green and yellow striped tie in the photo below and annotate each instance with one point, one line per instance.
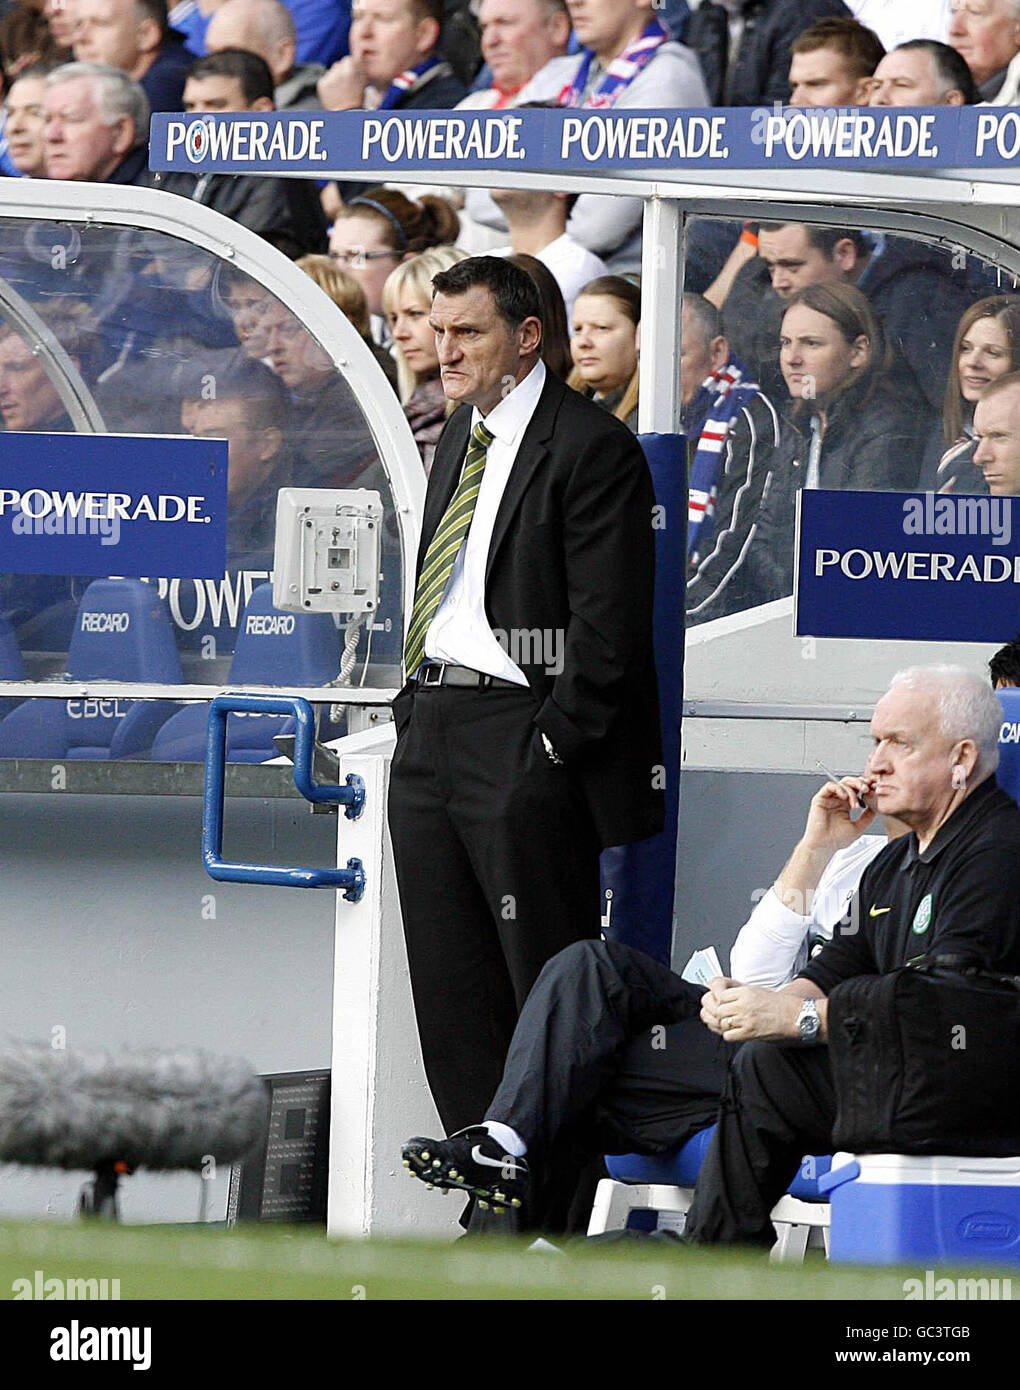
(444, 548)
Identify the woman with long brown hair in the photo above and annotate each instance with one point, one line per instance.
(986, 346)
(856, 431)
(851, 429)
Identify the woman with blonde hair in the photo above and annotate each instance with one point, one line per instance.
(407, 304)
(347, 294)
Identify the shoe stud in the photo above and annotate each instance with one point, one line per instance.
(484, 1205)
(515, 1201)
(437, 1163)
(425, 1156)
(453, 1174)
(431, 1186)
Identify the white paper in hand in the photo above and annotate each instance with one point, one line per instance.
(702, 967)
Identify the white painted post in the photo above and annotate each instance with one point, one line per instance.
(379, 1094)
(661, 289)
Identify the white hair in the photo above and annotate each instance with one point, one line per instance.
(116, 94)
(967, 706)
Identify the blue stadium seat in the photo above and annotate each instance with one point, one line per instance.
(273, 648)
(1008, 775)
(12, 665)
(660, 1187)
(122, 632)
(679, 1167)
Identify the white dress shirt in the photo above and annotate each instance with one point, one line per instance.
(773, 944)
(460, 631)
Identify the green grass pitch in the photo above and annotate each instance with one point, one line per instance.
(275, 1263)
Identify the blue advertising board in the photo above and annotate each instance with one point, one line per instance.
(126, 505)
(919, 566)
(582, 141)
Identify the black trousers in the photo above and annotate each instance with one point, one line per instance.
(609, 1056)
(497, 863)
(779, 1104)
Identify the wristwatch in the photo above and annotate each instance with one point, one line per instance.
(808, 1022)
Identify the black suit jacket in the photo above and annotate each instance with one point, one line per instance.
(572, 554)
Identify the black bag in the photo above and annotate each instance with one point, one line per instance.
(927, 1060)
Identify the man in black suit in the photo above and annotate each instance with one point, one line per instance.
(528, 729)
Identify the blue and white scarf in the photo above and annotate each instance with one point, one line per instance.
(620, 73)
(711, 413)
(407, 81)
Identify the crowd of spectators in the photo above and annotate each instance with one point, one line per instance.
(813, 356)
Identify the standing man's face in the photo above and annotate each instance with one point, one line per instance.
(480, 354)
(997, 425)
(822, 78)
(794, 263)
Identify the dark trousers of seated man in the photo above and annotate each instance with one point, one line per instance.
(609, 1056)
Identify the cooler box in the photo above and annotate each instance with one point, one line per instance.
(900, 1208)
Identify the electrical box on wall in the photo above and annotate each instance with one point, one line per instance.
(328, 550)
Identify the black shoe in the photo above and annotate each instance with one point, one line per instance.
(470, 1162)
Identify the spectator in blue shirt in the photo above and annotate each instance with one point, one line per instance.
(134, 35)
(322, 27)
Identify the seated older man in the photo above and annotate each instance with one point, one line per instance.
(584, 1072)
(96, 125)
(986, 34)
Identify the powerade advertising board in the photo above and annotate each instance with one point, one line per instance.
(368, 144)
(916, 566)
(126, 505)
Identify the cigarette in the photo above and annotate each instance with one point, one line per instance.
(836, 778)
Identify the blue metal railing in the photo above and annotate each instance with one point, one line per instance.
(350, 795)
